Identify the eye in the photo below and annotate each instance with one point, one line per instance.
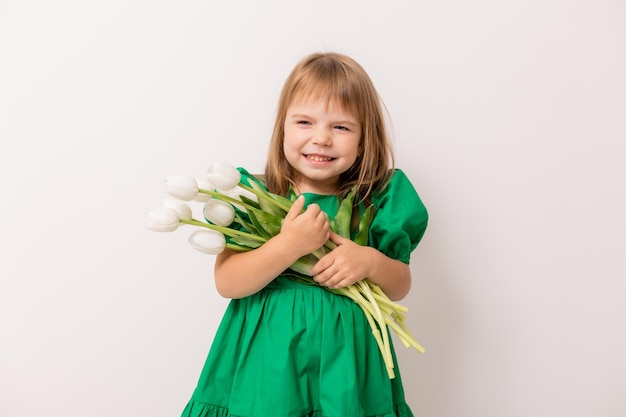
(303, 122)
(342, 128)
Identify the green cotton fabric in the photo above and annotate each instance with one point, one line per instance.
(297, 350)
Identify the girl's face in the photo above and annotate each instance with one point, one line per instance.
(321, 142)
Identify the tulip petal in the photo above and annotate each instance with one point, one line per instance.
(204, 185)
(182, 187)
(208, 241)
(163, 219)
(242, 195)
(219, 212)
(183, 210)
(224, 176)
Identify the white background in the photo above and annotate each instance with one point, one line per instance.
(508, 116)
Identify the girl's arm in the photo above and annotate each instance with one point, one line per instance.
(239, 274)
(349, 263)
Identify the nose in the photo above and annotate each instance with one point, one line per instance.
(321, 137)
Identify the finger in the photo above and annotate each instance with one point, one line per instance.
(338, 285)
(344, 283)
(323, 279)
(296, 208)
(320, 266)
(313, 210)
(338, 239)
(322, 221)
(336, 281)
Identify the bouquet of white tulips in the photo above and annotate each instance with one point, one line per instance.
(258, 217)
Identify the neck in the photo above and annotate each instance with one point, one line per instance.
(329, 188)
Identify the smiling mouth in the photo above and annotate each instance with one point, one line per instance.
(318, 158)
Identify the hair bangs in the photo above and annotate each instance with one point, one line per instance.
(329, 82)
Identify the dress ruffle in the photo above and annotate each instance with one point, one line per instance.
(200, 409)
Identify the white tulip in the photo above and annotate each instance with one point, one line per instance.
(163, 219)
(208, 241)
(181, 187)
(183, 210)
(224, 176)
(237, 192)
(205, 185)
(219, 212)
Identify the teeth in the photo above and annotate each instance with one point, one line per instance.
(319, 158)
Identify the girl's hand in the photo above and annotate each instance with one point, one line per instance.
(344, 265)
(239, 274)
(305, 231)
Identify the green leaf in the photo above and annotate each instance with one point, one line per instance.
(344, 215)
(304, 264)
(248, 201)
(271, 224)
(257, 225)
(292, 196)
(364, 227)
(244, 241)
(266, 203)
(246, 225)
(282, 200)
(332, 224)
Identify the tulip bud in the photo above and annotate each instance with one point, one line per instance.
(224, 176)
(181, 187)
(219, 212)
(237, 192)
(163, 219)
(204, 185)
(182, 209)
(208, 241)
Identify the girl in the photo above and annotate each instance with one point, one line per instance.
(285, 349)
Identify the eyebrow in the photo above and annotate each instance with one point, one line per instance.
(340, 122)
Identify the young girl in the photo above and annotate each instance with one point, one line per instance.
(286, 349)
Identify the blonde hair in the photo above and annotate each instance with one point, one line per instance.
(342, 81)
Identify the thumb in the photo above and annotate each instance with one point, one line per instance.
(296, 208)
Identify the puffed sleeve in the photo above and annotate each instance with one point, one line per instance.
(400, 219)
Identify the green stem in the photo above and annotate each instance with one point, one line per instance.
(356, 296)
(381, 296)
(330, 245)
(226, 198)
(404, 333)
(264, 196)
(237, 248)
(381, 322)
(224, 230)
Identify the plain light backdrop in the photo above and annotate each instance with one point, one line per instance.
(508, 117)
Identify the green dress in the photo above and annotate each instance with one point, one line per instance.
(296, 350)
